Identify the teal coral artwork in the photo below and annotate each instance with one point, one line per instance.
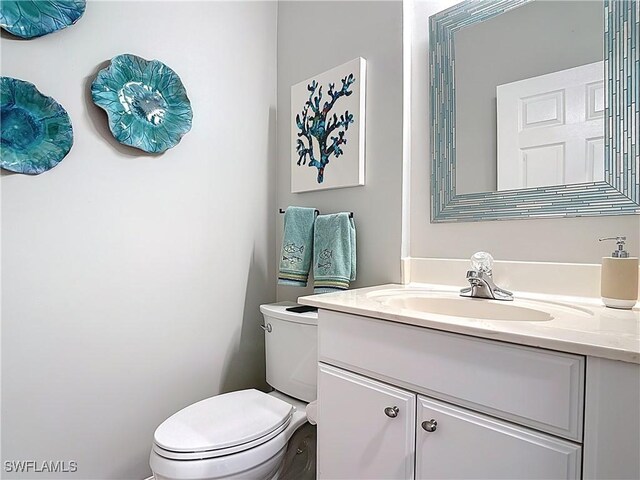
(327, 129)
(36, 131)
(34, 18)
(317, 123)
(145, 101)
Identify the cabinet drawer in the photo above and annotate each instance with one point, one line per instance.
(538, 388)
(469, 445)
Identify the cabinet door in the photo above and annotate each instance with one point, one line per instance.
(360, 433)
(465, 444)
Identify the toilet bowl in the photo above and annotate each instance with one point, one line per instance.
(245, 434)
(253, 451)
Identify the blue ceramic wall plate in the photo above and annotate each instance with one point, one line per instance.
(36, 131)
(34, 18)
(147, 104)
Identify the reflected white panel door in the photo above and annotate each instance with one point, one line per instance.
(366, 429)
(551, 129)
(468, 445)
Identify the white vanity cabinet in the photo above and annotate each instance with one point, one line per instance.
(370, 430)
(465, 407)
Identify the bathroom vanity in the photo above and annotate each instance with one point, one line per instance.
(530, 389)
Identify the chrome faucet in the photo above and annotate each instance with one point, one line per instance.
(481, 279)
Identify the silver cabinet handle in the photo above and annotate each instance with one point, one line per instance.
(267, 328)
(430, 425)
(391, 412)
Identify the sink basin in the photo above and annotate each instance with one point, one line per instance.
(468, 308)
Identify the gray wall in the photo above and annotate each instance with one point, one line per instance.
(553, 240)
(131, 283)
(528, 41)
(372, 30)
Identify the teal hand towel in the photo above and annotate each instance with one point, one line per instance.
(297, 245)
(334, 252)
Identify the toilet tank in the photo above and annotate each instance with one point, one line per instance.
(291, 349)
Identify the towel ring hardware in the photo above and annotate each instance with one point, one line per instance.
(281, 211)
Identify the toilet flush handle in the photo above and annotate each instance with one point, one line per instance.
(267, 328)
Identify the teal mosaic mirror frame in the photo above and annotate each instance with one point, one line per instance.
(618, 194)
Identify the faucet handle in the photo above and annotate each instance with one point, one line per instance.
(482, 262)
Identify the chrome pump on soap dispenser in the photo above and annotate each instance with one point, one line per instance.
(619, 277)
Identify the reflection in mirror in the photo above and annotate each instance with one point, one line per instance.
(551, 129)
(530, 97)
(539, 78)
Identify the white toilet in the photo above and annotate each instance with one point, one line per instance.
(244, 434)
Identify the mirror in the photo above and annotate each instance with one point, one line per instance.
(528, 117)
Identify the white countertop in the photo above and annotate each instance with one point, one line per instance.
(579, 325)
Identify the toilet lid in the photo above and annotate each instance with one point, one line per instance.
(223, 421)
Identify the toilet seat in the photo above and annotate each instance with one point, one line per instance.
(222, 425)
(205, 454)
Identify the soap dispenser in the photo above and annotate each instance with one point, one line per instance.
(619, 277)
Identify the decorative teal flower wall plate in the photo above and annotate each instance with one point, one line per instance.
(34, 18)
(36, 132)
(147, 104)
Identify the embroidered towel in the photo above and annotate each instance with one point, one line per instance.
(334, 252)
(297, 244)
